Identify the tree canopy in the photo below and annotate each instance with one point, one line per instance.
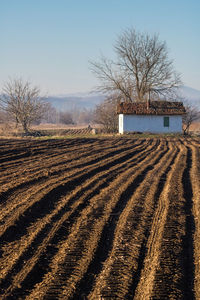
(141, 68)
(22, 102)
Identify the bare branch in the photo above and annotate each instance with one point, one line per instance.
(192, 115)
(142, 66)
(105, 114)
(23, 102)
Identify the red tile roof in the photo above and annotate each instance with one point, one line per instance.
(155, 108)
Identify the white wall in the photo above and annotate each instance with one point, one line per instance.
(121, 123)
(149, 123)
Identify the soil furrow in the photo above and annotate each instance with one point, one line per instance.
(195, 182)
(108, 174)
(100, 218)
(46, 171)
(122, 269)
(164, 270)
(131, 155)
(187, 240)
(128, 252)
(74, 153)
(64, 186)
(97, 219)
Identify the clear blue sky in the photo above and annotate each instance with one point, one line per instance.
(50, 42)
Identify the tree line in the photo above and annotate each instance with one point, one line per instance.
(21, 103)
(142, 71)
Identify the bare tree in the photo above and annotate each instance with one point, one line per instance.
(105, 114)
(4, 117)
(142, 68)
(23, 102)
(50, 115)
(66, 117)
(192, 115)
(85, 116)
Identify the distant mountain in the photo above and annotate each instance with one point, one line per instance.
(190, 95)
(89, 101)
(70, 102)
(189, 92)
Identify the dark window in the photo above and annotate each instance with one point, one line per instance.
(166, 121)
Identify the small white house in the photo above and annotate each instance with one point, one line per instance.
(154, 117)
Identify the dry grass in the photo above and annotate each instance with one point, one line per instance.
(195, 127)
(8, 130)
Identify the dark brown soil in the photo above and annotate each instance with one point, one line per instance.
(113, 218)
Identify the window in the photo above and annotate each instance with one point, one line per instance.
(166, 121)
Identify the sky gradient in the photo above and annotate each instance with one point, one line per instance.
(50, 42)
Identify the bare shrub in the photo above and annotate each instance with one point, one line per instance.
(192, 115)
(105, 114)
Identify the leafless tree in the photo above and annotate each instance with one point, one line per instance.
(4, 117)
(66, 117)
(23, 102)
(105, 114)
(192, 115)
(142, 67)
(51, 114)
(85, 116)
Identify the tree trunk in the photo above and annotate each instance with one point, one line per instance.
(25, 127)
(16, 122)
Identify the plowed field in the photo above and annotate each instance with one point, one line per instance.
(113, 218)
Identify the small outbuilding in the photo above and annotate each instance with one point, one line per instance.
(151, 116)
